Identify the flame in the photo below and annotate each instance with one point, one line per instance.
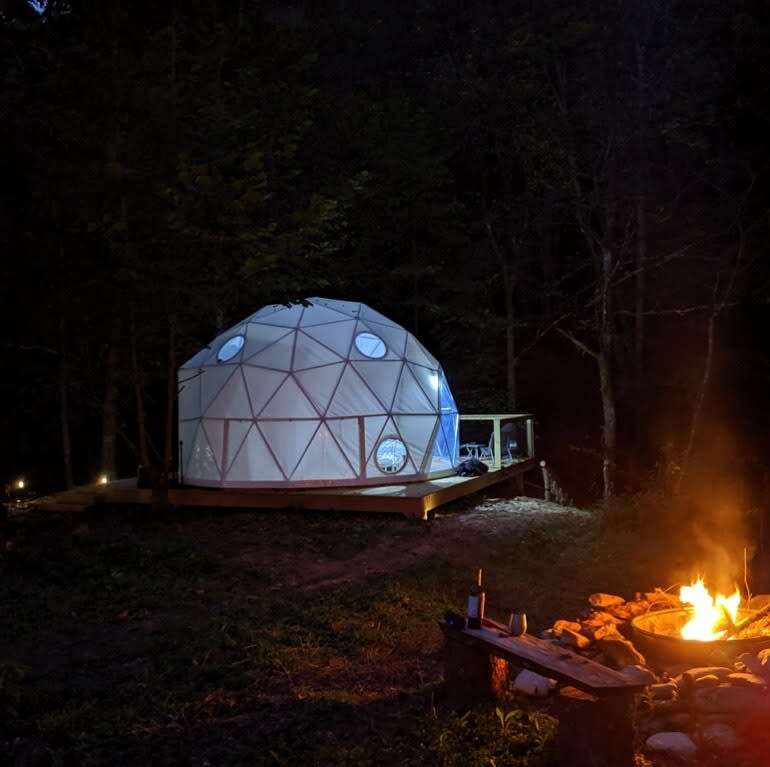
(711, 615)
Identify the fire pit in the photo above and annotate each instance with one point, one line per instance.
(657, 635)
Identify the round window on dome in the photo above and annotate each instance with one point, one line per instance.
(391, 455)
(371, 345)
(230, 348)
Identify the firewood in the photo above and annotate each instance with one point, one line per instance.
(746, 622)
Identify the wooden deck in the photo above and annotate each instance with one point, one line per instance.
(413, 499)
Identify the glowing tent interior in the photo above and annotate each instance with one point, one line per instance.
(322, 393)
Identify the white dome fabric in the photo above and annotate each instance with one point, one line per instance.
(323, 394)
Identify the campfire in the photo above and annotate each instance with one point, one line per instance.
(699, 626)
(711, 617)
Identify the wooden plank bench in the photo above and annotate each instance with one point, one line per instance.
(595, 704)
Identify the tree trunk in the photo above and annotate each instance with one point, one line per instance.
(508, 276)
(168, 448)
(641, 218)
(604, 362)
(64, 408)
(699, 399)
(141, 421)
(110, 411)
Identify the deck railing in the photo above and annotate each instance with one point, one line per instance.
(527, 450)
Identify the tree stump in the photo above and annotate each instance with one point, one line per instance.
(472, 676)
(594, 731)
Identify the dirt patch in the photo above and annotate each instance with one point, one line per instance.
(287, 545)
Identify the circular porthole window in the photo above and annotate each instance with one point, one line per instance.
(230, 348)
(371, 345)
(391, 455)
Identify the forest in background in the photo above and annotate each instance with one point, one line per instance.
(566, 202)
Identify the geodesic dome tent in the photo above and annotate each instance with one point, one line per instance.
(327, 393)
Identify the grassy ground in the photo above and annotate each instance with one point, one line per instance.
(203, 640)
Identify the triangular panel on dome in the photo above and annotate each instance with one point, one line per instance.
(320, 383)
(289, 402)
(288, 441)
(189, 394)
(410, 397)
(338, 336)
(260, 336)
(286, 316)
(324, 459)
(277, 356)
(382, 376)
(187, 433)
(321, 315)
(202, 463)
(309, 353)
(353, 396)
(346, 431)
(237, 429)
(345, 308)
(197, 360)
(266, 311)
(254, 462)
(417, 353)
(213, 379)
(261, 384)
(215, 434)
(429, 382)
(232, 399)
(370, 315)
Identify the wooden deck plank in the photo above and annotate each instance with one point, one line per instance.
(414, 499)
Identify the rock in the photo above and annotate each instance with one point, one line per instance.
(620, 652)
(750, 663)
(662, 600)
(561, 625)
(679, 720)
(677, 745)
(719, 737)
(763, 655)
(605, 600)
(620, 611)
(637, 608)
(596, 631)
(548, 634)
(707, 680)
(727, 699)
(571, 638)
(530, 683)
(664, 691)
(746, 680)
(638, 674)
(689, 676)
(605, 617)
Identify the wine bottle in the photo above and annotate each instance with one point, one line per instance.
(476, 603)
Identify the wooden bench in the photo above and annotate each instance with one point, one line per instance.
(595, 704)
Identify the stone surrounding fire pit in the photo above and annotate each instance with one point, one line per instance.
(702, 699)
